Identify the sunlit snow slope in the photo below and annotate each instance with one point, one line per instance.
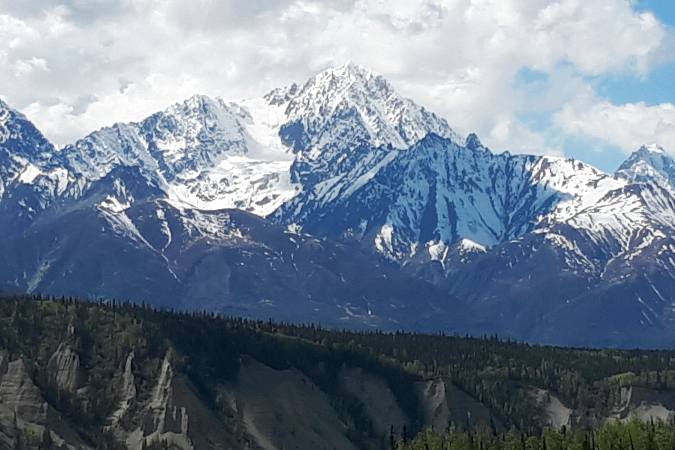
(534, 246)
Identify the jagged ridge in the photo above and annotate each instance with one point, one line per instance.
(344, 156)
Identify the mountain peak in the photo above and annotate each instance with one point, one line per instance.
(649, 163)
(198, 103)
(6, 112)
(347, 79)
(652, 148)
(22, 137)
(350, 69)
(651, 153)
(198, 99)
(473, 143)
(349, 105)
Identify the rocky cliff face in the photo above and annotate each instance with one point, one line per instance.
(261, 408)
(64, 369)
(644, 404)
(26, 417)
(270, 409)
(174, 415)
(79, 376)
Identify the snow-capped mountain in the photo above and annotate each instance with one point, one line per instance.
(21, 142)
(649, 163)
(440, 192)
(133, 220)
(30, 179)
(525, 241)
(200, 151)
(349, 106)
(256, 154)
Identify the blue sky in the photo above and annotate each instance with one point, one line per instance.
(658, 86)
(589, 79)
(653, 87)
(664, 9)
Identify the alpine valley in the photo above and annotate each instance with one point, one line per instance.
(340, 202)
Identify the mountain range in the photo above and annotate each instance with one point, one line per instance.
(341, 202)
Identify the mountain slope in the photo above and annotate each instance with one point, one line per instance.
(29, 177)
(209, 204)
(439, 192)
(211, 154)
(121, 240)
(198, 151)
(78, 375)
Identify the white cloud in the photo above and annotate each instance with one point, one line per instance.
(24, 67)
(509, 133)
(626, 126)
(119, 60)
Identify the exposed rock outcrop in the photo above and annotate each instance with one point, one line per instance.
(64, 369)
(284, 409)
(127, 391)
(20, 400)
(377, 398)
(162, 420)
(443, 404)
(556, 414)
(645, 404)
(25, 414)
(174, 415)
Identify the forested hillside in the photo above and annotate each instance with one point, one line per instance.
(82, 375)
(633, 435)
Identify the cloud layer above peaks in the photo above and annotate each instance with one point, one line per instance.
(522, 73)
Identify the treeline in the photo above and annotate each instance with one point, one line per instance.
(632, 435)
(498, 373)
(208, 348)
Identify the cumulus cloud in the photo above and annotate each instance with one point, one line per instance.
(626, 126)
(82, 64)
